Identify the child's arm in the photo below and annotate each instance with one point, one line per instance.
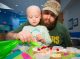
(44, 37)
(25, 35)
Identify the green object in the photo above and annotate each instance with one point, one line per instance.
(7, 46)
(30, 52)
(14, 54)
(18, 57)
(60, 35)
(34, 43)
(68, 56)
(77, 55)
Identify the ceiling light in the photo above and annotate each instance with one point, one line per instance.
(16, 5)
(3, 6)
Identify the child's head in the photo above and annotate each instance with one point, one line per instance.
(33, 14)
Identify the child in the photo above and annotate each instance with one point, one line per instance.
(39, 33)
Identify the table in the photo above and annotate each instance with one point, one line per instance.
(18, 55)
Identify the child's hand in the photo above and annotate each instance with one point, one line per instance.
(39, 38)
(34, 40)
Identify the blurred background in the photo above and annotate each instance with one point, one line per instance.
(12, 15)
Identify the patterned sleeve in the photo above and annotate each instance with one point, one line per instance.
(24, 28)
(46, 35)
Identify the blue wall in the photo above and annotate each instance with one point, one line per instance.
(9, 20)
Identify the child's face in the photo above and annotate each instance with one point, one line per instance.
(34, 16)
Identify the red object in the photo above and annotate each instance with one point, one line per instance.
(50, 48)
(57, 49)
(43, 47)
(38, 49)
(65, 54)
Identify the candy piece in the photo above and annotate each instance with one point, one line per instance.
(57, 49)
(38, 49)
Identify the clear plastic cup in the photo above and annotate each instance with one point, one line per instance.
(42, 56)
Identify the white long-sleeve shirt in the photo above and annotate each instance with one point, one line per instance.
(42, 30)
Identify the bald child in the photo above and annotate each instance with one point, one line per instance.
(35, 31)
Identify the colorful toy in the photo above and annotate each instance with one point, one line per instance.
(7, 46)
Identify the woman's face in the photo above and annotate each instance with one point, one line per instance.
(48, 18)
